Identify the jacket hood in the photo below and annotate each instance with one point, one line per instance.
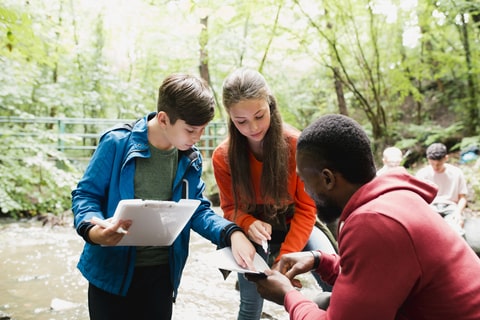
(393, 180)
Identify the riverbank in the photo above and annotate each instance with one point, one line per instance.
(39, 279)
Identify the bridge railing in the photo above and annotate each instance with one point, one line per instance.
(77, 138)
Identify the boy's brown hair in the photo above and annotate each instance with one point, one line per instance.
(186, 97)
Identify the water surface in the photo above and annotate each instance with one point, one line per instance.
(38, 272)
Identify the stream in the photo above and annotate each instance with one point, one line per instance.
(39, 279)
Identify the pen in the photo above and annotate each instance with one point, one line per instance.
(265, 246)
(107, 224)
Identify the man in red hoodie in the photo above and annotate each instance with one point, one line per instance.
(397, 258)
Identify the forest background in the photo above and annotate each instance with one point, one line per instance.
(408, 71)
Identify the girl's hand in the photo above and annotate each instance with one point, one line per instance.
(260, 231)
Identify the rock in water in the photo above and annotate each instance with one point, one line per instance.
(59, 304)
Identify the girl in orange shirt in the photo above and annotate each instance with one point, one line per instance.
(259, 189)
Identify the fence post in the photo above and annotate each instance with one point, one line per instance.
(61, 131)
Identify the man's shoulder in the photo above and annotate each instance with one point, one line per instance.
(455, 173)
(452, 167)
(423, 172)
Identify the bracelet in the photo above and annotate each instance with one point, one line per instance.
(316, 259)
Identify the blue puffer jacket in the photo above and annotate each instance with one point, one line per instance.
(109, 178)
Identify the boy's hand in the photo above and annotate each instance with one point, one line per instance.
(243, 250)
(108, 236)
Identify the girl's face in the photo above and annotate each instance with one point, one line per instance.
(251, 118)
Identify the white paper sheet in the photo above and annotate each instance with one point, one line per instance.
(223, 259)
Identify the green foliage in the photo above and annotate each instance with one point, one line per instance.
(94, 59)
(35, 177)
(472, 175)
(469, 142)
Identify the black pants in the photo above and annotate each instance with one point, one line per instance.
(149, 297)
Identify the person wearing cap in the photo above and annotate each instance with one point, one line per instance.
(392, 157)
(451, 198)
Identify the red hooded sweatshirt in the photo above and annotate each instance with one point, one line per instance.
(397, 259)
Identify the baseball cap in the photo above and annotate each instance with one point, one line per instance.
(436, 151)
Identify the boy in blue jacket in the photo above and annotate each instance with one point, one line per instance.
(156, 159)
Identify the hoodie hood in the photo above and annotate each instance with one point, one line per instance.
(393, 180)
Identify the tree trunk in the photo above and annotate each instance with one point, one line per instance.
(342, 105)
(471, 123)
(272, 35)
(203, 65)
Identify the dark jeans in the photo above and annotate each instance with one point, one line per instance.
(149, 297)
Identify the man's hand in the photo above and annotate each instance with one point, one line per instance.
(108, 236)
(274, 287)
(293, 264)
(243, 250)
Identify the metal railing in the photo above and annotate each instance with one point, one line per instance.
(78, 138)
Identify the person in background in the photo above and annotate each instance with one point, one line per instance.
(397, 258)
(392, 158)
(154, 158)
(451, 198)
(258, 186)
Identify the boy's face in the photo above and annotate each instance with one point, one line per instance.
(180, 135)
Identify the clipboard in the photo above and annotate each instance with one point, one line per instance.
(154, 222)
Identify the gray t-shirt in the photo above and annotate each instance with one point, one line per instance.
(153, 181)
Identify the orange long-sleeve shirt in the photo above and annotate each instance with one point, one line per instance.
(303, 220)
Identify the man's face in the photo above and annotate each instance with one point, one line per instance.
(438, 165)
(316, 186)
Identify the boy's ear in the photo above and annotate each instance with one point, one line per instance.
(162, 118)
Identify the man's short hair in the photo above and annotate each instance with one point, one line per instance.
(436, 151)
(342, 145)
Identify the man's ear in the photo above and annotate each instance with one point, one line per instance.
(328, 178)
